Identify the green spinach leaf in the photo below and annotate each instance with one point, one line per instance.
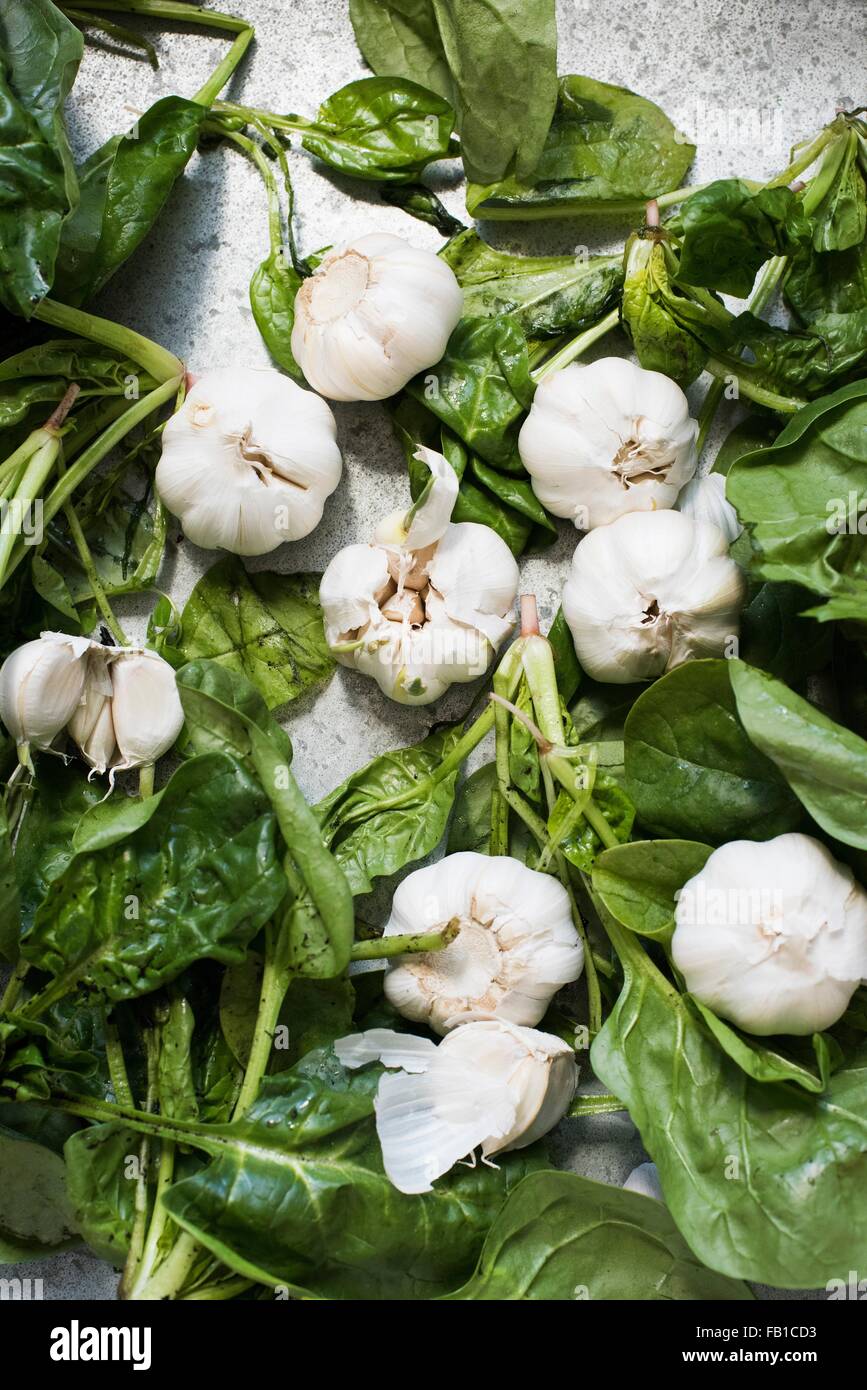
(35, 1214)
(638, 882)
(383, 129)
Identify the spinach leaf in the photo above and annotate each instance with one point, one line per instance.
(823, 763)
(568, 670)
(581, 846)
(61, 796)
(198, 879)
(659, 319)
(124, 186)
(547, 295)
(481, 388)
(402, 37)
(273, 288)
(370, 840)
(638, 883)
(606, 146)
(837, 194)
(101, 1186)
(763, 1180)
(691, 770)
(827, 282)
(560, 1237)
(33, 1056)
(802, 362)
(777, 637)
(314, 1013)
(296, 1194)
(728, 232)
(35, 1215)
(383, 129)
(264, 626)
(39, 55)
(470, 825)
(796, 498)
(421, 203)
(749, 435)
(761, 1060)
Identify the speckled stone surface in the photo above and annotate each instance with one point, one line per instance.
(744, 78)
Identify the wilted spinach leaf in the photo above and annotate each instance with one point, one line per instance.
(728, 232)
(35, 1214)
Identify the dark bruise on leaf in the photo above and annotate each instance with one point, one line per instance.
(196, 880)
(265, 626)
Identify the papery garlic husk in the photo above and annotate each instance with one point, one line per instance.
(608, 438)
(490, 1085)
(248, 461)
(41, 686)
(516, 943)
(130, 711)
(92, 726)
(645, 1180)
(648, 592)
(704, 499)
(772, 935)
(426, 604)
(374, 313)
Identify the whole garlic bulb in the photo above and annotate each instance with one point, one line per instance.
(374, 313)
(516, 943)
(648, 592)
(248, 461)
(704, 499)
(488, 1085)
(772, 935)
(608, 438)
(41, 686)
(423, 606)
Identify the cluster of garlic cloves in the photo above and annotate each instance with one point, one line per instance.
(120, 705)
(428, 602)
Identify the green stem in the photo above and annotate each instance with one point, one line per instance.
(96, 451)
(276, 978)
(157, 361)
(89, 566)
(577, 346)
(10, 469)
(626, 207)
(13, 986)
(140, 1216)
(170, 10)
(230, 1288)
(116, 1063)
(784, 405)
(223, 71)
(382, 947)
(146, 781)
(808, 156)
(36, 474)
(594, 1105)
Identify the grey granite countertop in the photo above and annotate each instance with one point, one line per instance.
(744, 78)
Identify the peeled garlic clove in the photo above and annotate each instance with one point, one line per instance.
(41, 686)
(248, 461)
(488, 1085)
(516, 943)
(648, 592)
(92, 726)
(704, 499)
(772, 935)
(145, 707)
(608, 438)
(374, 313)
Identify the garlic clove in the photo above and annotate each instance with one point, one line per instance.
(92, 726)
(772, 935)
(349, 589)
(374, 313)
(516, 944)
(403, 1050)
(704, 499)
(477, 575)
(248, 461)
(41, 686)
(145, 707)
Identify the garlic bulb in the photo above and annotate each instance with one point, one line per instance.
(606, 439)
(248, 461)
(374, 313)
(41, 686)
(489, 1085)
(426, 604)
(773, 935)
(648, 592)
(704, 499)
(516, 943)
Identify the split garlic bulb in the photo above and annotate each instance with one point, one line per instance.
(488, 1085)
(516, 944)
(374, 313)
(772, 935)
(704, 499)
(427, 603)
(248, 461)
(608, 438)
(648, 592)
(41, 686)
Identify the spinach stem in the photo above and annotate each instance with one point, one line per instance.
(605, 1104)
(161, 364)
(784, 405)
(88, 564)
(13, 986)
(223, 71)
(577, 346)
(808, 156)
(276, 978)
(146, 781)
(116, 1063)
(34, 478)
(10, 469)
(171, 10)
(382, 947)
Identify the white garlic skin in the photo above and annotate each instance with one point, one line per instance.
(516, 944)
(146, 709)
(648, 592)
(772, 935)
(608, 438)
(248, 461)
(41, 686)
(373, 314)
(704, 499)
(490, 1085)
